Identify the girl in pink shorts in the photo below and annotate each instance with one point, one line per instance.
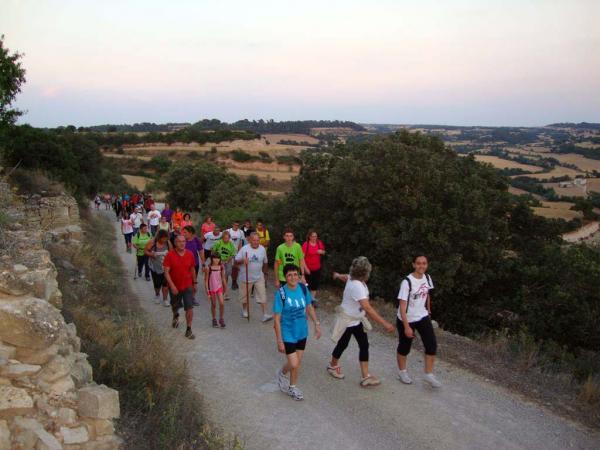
(216, 286)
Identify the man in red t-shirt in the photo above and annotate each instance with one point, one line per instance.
(180, 272)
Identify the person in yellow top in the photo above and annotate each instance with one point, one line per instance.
(263, 233)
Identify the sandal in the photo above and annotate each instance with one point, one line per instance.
(175, 322)
(370, 380)
(335, 372)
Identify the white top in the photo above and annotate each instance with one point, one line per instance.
(136, 218)
(237, 237)
(354, 292)
(211, 238)
(257, 257)
(417, 304)
(154, 217)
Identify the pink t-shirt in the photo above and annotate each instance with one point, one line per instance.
(127, 226)
(207, 227)
(311, 257)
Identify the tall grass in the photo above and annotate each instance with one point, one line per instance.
(160, 408)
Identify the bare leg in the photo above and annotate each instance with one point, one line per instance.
(221, 306)
(189, 316)
(429, 360)
(401, 361)
(364, 368)
(213, 306)
(293, 365)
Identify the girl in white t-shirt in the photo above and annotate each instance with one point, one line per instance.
(414, 312)
(355, 305)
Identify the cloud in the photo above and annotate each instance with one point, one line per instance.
(50, 92)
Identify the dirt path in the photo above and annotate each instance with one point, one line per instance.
(234, 369)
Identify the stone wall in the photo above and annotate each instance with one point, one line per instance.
(48, 399)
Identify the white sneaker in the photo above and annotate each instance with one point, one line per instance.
(295, 393)
(404, 377)
(282, 381)
(267, 317)
(244, 314)
(432, 380)
(157, 299)
(166, 303)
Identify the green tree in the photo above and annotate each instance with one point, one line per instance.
(12, 76)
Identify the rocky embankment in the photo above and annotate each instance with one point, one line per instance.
(48, 399)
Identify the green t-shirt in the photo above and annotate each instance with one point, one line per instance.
(225, 250)
(140, 240)
(288, 255)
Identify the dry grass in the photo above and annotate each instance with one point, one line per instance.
(264, 174)
(137, 181)
(583, 163)
(557, 210)
(590, 391)
(500, 163)
(573, 191)
(159, 407)
(556, 172)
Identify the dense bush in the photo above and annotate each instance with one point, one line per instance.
(404, 194)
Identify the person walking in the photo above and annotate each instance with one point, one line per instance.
(136, 218)
(226, 250)
(351, 320)
(187, 220)
(156, 250)
(176, 220)
(127, 230)
(164, 224)
(313, 250)
(414, 313)
(252, 260)
(140, 239)
(247, 229)
(167, 212)
(215, 285)
(263, 233)
(193, 244)
(237, 237)
(179, 266)
(291, 304)
(207, 226)
(210, 240)
(289, 252)
(153, 219)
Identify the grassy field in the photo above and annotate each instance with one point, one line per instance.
(573, 191)
(137, 182)
(584, 164)
(556, 172)
(500, 163)
(557, 210)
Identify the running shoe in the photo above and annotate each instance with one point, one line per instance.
(234, 286)
(295, 393)
(215, 323)
(166, 303)
(282, 381)
(189, 334)
(139, 275)
(196, 302)
(369, 381)
(157, 299)
(267, 317)
(404, 377)
(222, 323)
(335, 372)
(244, 314)
(147, 278)
(432, 380)
(227, 298)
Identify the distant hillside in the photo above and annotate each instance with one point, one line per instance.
(138, 127)
(577, 126)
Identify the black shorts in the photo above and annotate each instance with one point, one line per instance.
(313, 279)
(158, 279)
(425, 329)
(291, 347)
(183, 299)
(207, 253)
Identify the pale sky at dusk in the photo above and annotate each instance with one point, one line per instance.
(382, 61)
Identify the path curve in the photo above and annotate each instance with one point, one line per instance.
(234, 370)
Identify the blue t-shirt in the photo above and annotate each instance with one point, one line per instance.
(294, 326)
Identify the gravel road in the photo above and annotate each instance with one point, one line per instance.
(234, 370)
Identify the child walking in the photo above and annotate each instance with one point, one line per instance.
(216, 286)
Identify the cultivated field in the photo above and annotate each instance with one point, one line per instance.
(556, 172)
(557, 210)
(572, 191)
(500, 163)
(584, 164)
(137, 182)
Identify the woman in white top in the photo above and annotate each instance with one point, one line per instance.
(414, 312)
(355, 303)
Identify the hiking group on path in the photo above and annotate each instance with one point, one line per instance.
(169, 253)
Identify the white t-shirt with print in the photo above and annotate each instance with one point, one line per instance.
(257, 257)
(354, 292)
(154, 217)
(417, 305)
(236, 237)
(211, 238)
(136, 218)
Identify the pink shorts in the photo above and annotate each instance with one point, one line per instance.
(217, 292)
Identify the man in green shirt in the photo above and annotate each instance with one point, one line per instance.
(140, 239)
(226, 250)
(290, 252)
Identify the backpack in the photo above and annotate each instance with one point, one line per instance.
(282, 293)
(429, 283)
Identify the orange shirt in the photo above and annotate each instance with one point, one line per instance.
(177, 218)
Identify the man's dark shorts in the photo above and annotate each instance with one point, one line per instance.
(184, 299)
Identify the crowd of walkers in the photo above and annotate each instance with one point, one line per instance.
(169, 252)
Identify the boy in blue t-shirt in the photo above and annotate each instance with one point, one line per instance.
(291, 304)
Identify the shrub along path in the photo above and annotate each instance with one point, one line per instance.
(234, 370)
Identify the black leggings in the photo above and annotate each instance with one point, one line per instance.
(142, 262)
(158, 280)
(361, 337)
(425, 329)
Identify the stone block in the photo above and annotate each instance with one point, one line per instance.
(104, 443)
(7, 351)
(30, 322)
(57, 367)
(14, 401)
(77, 435)
(25, 423)
(19, 370)
(34, 356)
(99, 402)
(66, 416)
(4, 435)
(82, 371)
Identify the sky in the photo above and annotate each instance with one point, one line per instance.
(456, 62)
